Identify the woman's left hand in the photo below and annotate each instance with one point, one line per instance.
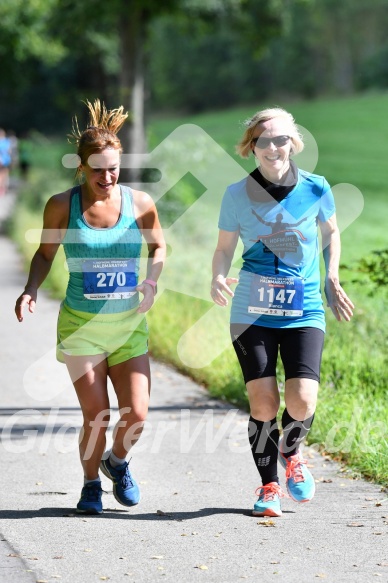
(337, 300)
(148, 292)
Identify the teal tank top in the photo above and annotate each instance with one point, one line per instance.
(103, 263)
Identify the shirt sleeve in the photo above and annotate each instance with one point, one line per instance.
(228, 220)
(327, 206)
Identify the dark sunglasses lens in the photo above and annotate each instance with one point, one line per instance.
(278, 141)
(262, 143)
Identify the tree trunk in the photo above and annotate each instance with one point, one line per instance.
(132, 35)
(343, 69)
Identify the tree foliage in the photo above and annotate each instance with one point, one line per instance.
(24, 32)
(197, 54)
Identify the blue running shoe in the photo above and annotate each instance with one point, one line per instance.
(125, 489)
(300, 482)
(268, 503)
(90, 501)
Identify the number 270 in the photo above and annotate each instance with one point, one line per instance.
(119, 277)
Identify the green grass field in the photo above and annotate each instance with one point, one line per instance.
(188, 331)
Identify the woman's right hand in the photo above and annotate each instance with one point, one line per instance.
(221, 284)
(26, 299)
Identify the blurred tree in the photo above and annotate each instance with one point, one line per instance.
(26, 47)
(135, 19)
(197, 54)
(24, 32)
(97, 47)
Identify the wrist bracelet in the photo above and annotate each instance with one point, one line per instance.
(153, 284)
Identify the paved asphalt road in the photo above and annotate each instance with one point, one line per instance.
(195, 473)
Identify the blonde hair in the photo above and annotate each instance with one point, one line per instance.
(243, 148)
(100, 133)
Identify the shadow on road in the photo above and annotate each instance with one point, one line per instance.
(119, 514)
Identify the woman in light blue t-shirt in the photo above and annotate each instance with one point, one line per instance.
(277, 305)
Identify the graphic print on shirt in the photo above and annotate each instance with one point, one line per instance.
(279, 241)
(277, 295)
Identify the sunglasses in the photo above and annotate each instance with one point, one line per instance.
(277, 141)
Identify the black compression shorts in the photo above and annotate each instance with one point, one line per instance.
(257, 351)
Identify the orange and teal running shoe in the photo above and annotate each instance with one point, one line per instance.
(268, 503)
(300, 483)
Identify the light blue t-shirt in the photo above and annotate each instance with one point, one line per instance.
(279, 282)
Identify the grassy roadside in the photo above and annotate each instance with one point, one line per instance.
(187, 331)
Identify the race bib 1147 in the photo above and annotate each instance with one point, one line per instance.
(276, 295)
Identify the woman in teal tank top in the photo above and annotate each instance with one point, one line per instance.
(93, 252)
(102, 331)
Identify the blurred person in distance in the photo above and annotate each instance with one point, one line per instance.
(5, 161)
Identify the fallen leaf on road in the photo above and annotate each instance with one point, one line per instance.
(268, 522)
